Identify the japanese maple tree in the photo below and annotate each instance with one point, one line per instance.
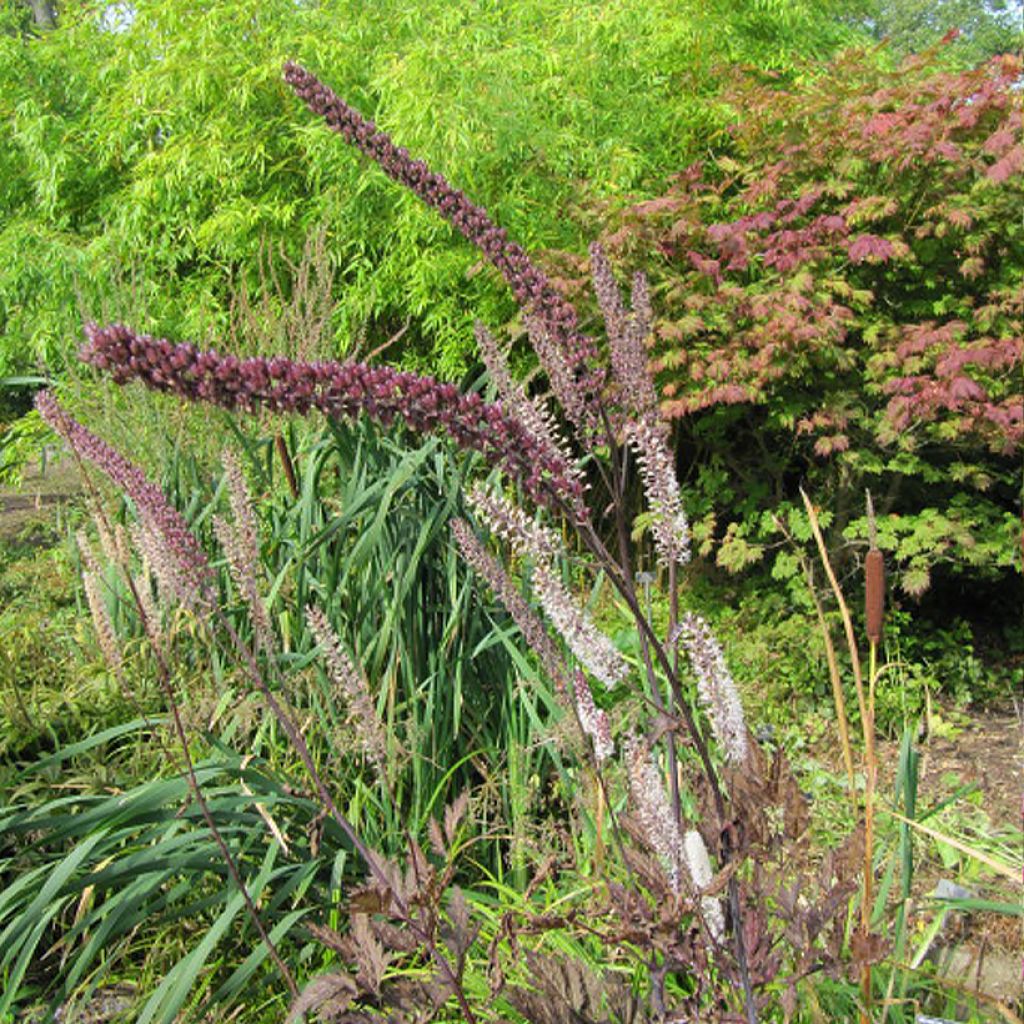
(840, 290)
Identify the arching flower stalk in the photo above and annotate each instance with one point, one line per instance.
(344, 391)
(529, 284)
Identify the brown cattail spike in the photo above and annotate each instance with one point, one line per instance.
(874, 599)
(874, 581)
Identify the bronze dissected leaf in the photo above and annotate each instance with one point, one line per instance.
(568, 992)
(329, 937)
(369, 953)
(460, 933)
(328, 995)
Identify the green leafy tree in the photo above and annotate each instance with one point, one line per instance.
(141, 151)
(984, 29)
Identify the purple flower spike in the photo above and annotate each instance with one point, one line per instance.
(532, 289)
(191, 570)
(343, 390)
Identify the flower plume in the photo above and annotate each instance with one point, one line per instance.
(644, 431)
(187, 567)
(593, 720)
(701, 874)
(531, 287)
(342, 390)
(653, 813)
(528, 539)
(352, 684)
(671, 530)
(715, 685)
(241, 543)
(528, 622)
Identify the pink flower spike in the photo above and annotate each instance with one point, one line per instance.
(190, 568)
(593, 719)
(715, 686)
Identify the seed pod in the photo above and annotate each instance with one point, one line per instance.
(874, 594)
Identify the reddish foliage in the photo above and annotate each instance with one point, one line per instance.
(855, 258)
(767, 258)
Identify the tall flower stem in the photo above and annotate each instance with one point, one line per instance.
(866, 705)
(629, 579)
(341, 390)
(529, 284)
(618, 574)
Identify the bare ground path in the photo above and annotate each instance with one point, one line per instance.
(41, 494)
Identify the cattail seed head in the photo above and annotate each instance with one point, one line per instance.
(874, 579)
(874, 594)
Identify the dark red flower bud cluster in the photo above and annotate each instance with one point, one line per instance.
(342, 390)
(529, 284)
